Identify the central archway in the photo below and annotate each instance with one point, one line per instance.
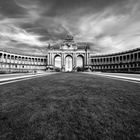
(68, 63)
(57, 61)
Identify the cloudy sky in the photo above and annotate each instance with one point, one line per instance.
(28, 26)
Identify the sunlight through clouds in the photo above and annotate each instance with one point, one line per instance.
(19, 35)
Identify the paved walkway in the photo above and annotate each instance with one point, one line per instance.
(5, 77)
(11, 78)
(135, 78)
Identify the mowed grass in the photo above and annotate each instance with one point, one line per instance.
(70, 106)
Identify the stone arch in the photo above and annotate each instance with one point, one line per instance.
(68, 63)
(57, 61)
(80, 60)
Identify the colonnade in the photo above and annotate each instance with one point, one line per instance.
(119, 62)
(15, 62)
(125, 61)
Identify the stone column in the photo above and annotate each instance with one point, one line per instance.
(75, 59)
(23, 61)
(13, 59)
(43, 61)
(37, 61)
(10, 59)
(28, 63)
(18, 64)
(87, 58)
(1, 61)
(119, 59)
(61, 60)
(40, 61)
(32, 61)
(6, 58)
(72, 59)
(1, 57)
(52, 59)
(64, 59)
(10, 63)
(48, 61)
(17, 60)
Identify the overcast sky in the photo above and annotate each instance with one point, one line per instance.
(28, 26)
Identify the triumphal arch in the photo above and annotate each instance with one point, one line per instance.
(68, 55)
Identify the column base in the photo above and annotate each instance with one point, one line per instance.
(63, 69)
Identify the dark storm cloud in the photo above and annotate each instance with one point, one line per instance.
(9, 8)
(62, 7)
(106, 24)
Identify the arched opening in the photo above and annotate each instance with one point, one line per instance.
(57, 61)
(68, 63)
(80, 61)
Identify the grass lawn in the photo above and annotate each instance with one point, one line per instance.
(70, 106)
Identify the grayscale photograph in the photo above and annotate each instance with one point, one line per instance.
(69, 69)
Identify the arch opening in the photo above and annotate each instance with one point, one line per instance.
(80, 61)
(68, 63)
(57, 61)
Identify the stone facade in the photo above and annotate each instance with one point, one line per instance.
(128, 61)
(68, 49)
(11, 62)
(69, 53)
